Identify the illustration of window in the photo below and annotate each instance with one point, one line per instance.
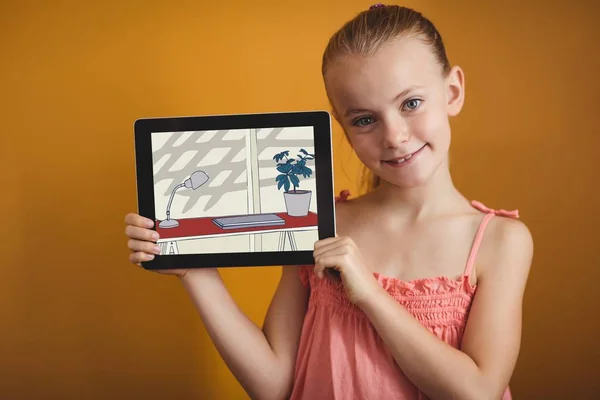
(241, 180)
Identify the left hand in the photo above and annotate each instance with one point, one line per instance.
(341, 254)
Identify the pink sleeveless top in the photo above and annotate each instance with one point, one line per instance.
(341, 355)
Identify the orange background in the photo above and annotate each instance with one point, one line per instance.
(78, 321)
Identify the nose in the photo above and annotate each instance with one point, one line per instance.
(395, 133)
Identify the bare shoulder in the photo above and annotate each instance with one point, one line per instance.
(509, 234)
(342, 215)
(347, 212)
(506, 251)
(493, 333)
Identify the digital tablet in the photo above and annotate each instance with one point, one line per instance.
(236, 190)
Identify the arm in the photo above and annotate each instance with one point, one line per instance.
(262, 361)
(491, 343)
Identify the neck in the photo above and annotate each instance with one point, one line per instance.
(438, 195)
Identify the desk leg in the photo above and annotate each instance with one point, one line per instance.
(292, 240)
(169, 248)
(282, 237)
(281, 244)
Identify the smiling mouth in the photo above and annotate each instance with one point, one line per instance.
(403, 159)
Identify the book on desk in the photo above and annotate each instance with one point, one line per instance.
(248, 221)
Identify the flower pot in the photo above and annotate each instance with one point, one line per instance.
(297, 202)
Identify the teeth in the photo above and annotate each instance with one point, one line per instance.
(401, 160)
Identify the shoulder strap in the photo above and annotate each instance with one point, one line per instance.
(477, 243)
(489, 214)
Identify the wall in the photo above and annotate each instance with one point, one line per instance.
(79, 321)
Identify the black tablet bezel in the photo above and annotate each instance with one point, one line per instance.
(319, 120)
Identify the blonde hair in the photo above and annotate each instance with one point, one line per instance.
(366, 33)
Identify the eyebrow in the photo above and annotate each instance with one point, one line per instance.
(401, 94)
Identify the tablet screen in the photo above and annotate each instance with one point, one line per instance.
(240, 190)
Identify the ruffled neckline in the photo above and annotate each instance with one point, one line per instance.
(435, 285)
(441, 284)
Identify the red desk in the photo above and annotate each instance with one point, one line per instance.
(201, 228)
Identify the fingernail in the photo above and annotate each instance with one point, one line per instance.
(157, 249)
(149, 222)
(155, 236)
(149, 256)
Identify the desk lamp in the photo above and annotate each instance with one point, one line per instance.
(196, 180)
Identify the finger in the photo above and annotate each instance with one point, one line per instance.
(326, 241)
(319, 270)
(335, 248)
(138, 220)
(339, 251)
(138, 257)
(134, 232)
(323, 263)
(141, 246)
(324, 247)
(331, 273)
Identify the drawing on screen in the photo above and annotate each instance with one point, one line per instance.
(242, 190)
(297, 202)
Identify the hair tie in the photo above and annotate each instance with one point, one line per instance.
(378, 5)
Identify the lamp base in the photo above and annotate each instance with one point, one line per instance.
(168, 223)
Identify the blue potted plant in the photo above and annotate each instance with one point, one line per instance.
(297, 202)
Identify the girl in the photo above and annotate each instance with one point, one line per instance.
(426, 298)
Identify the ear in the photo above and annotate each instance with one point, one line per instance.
(455, 86)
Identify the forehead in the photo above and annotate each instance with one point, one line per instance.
(396, 66)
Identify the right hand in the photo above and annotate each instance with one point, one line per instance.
(142, 242)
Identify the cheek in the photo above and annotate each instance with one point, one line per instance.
(365, 147)
(432, 127)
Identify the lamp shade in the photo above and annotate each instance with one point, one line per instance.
(196, 180)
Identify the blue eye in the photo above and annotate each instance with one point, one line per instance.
(413, 103)
(363, 121)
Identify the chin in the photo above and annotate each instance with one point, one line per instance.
(407, 182)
